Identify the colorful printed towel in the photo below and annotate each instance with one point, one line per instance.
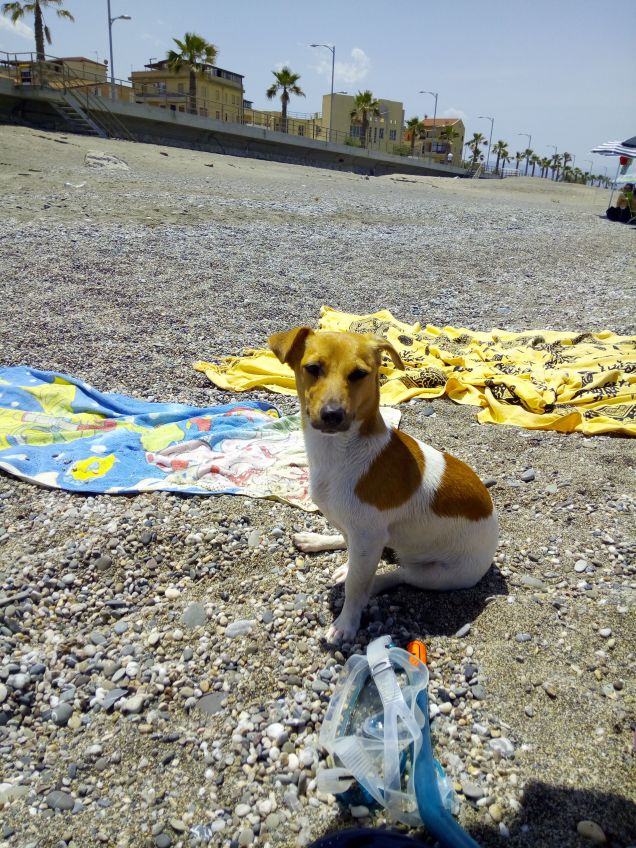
(540, 379)
(61, 433)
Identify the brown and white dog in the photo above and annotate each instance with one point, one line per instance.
(378, 486)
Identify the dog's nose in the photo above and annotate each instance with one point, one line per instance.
(332, 415)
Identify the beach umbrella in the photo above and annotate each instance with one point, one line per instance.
(625, 150)
(615, 148)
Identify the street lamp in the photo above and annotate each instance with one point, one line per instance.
(433, 94)
(529, 137)
(492, 124)
(111, 21)
(331, 47)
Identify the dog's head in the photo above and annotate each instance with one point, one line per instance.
(336, 375)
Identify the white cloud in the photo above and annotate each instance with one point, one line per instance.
(455, 113)
(18, 28)
(347, 72)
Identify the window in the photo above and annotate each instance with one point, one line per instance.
(301, 130)
(440, 147)
(162, 88)
(381, 133)
(392, 135)
(173, 108)
(355, 131)
(180, 88)
(182, 108)
(218, 115)
(375, 133)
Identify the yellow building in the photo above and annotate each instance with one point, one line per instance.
(219, 93)
(438, 139)
(70, 73)
(384, 131)
(303, 125)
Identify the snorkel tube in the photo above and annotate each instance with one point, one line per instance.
(438, 821)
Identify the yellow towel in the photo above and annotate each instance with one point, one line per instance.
(539, 379)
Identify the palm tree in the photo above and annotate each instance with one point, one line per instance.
(18, 10)
(449, 134)
(505, 157)
(195, 54)
(287, 81)
(555, 164)
(534, 161)
(365, 107)
(566, 157)
(414, 125)
(545, 166)
(518, 158)
(498, 148)
(527, 154)
(474, 144)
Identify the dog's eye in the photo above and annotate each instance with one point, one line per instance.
(313, 369)
(358, 374)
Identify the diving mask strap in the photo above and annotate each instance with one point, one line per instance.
(395, 709)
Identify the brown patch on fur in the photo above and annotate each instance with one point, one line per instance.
(395, 474)
(460, 493)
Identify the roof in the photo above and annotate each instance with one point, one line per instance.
(440, 122)
(80, 59)
(162, 65)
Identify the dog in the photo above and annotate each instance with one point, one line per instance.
(380, 487)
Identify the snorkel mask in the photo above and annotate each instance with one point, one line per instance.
(377, 731)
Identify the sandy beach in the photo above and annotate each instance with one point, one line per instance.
(124, 276)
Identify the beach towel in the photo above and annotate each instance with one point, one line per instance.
(62, 433)
(538, 379)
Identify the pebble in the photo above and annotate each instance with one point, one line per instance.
(472, 791)
(194, 615)
(523, 637)
(163, 840)
(359, 812)
(61, 714)
(241, 627)
(503, 746)
(580, 565)
(58, 800)
(212, 703)
(605, 632)
(528, 475)
(592, 831)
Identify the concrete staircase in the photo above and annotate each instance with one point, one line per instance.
(76, 118)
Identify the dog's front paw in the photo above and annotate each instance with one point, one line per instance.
(342, 630)
(340, 574)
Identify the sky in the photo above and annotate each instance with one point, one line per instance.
(558, 70)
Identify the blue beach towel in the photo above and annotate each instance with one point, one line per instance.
(62, 433)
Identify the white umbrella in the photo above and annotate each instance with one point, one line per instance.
(615, 148)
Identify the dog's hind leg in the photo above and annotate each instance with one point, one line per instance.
(314, 542)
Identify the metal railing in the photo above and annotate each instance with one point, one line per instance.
(93, 91)
(89, 90)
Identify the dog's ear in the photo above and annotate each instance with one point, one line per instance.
(289, 346)
(383, 345)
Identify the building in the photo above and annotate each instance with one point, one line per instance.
(219, 93)
(303, 125)
(72, 73)
(438, 138)
(384, 132)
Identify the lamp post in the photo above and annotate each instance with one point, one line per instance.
(529, 137)
(111, 21)
(331, 47)
(492, 124)
(433, 94)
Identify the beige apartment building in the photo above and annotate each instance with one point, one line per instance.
(384, 130)
(219, 93)
(438, 138)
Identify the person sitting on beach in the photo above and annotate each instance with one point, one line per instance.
(625, 208)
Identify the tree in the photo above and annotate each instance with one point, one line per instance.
(545, 166)
(365, 107)
(18, 10)
(498, 148)
(566, 158)
(286, 81)
(449, 134)
(555, 165)
(195, 54)
(527, 155)
(414, 126)
(534, 161)
(505, 157)
(518, 158)
(477, 141)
